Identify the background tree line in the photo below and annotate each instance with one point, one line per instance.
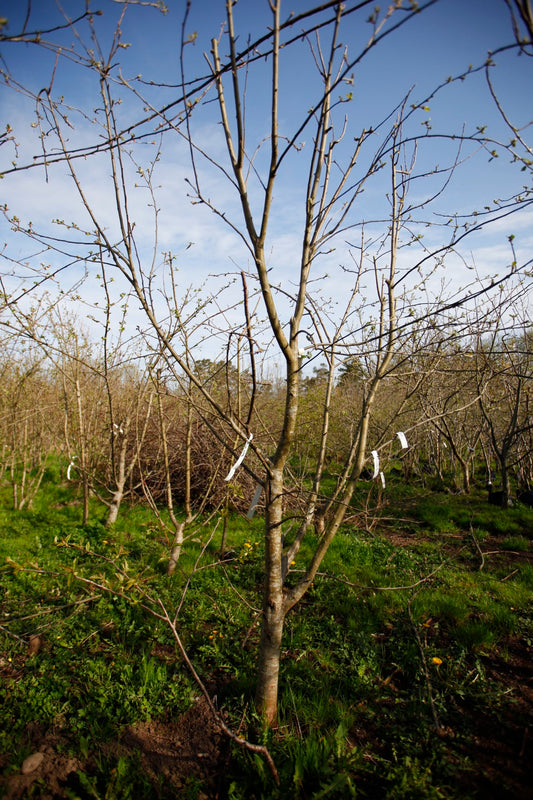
(124, 427)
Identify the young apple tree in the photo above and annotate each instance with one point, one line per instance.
(289, 169)
(335, 176)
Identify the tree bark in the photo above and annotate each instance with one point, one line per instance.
(266, 698)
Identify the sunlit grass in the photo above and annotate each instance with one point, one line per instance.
(355, 651)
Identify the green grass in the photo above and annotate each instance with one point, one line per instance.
(386, 638)
(516, 543)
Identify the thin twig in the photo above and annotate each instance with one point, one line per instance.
(254, 748)
(250, 629)
(352, 585)
(13, 635)
(509, 576)
(239, 595)
(51, 609)
(194, 569)
(478, 548)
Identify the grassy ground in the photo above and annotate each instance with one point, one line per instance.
(406, 669)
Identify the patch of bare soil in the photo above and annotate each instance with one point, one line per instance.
(171, 753)
(191, 746)
(45, 772)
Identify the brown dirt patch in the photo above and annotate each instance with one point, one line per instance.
(171, 752)
(191, 746)
(49, 778)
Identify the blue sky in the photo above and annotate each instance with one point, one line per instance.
(440, 42)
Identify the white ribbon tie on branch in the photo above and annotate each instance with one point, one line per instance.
(239, 461)
(70, 467)
(376, 464)
(403, 440)
(255, 501)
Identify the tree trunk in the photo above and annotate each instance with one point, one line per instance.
(114, 507)
(266, 698)
(118, 494)
(506, 487)
(176, 546)
(466, 477)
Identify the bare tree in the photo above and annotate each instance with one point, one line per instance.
(339, 163)
(328, 202)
